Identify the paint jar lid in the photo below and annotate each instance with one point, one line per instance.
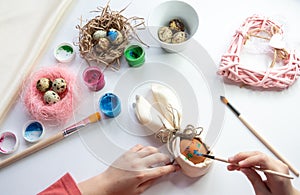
(8, 142)
(64, 52)
(135, 55)
(110, 105)
(33, 131)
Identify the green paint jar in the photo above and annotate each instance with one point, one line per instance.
(64, 52)
(135, 55)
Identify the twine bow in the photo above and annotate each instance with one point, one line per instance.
(168, 134)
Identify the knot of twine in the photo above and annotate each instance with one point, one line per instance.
(168, 134)
(274, 77)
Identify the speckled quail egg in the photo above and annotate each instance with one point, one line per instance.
(51, 97)
(115, 36)
(102, 46)
(165, 34)
(176, 25)
(43, 84)
(179, 37)
(59, 85)
(99, 34)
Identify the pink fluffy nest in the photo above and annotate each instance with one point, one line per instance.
(59, 112)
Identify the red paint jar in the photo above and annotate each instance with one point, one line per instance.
(93, 77)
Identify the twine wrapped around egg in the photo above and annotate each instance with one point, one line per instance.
(173, 137)
(33, 99)
(107, 20)
(168, 135)
(184, 144)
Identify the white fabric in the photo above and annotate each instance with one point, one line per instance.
(25, 28)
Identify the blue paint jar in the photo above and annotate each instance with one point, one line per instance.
(110, 105)
(33, 131)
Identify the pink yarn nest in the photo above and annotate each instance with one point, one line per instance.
(274, 77)
(33, 99)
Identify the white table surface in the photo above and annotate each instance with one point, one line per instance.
(274, 114)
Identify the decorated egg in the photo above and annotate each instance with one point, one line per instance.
(43, 84)
(115, 36)
(165, 34)
(176, 25)
(103, 45)
(99, 34)
(193, 150)
(179, 37)
(51, 97)
(59, 85)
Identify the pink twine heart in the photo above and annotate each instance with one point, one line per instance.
(273, 77)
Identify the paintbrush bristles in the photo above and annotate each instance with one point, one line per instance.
(51, 140)
(223, 99)
(94, 117)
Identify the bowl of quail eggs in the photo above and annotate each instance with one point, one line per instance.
(172, 24)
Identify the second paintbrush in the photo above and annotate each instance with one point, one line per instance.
(257, 135)
(255, 168)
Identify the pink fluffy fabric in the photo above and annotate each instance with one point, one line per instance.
(59, 112)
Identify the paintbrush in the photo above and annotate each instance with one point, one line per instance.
(51, 140)
(256, 134)
(255, 168)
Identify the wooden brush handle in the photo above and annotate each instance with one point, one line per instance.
(36, 147)
(268, 145)
(258, 169)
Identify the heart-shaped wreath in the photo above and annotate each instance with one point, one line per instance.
(279, 77)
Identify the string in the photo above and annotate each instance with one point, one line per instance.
(168, 135)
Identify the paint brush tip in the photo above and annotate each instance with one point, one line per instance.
(207, 156)
(224, 100)
(94, 117)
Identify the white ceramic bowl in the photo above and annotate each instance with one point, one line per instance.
(166, 11)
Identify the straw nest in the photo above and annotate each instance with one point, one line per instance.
(106, 20)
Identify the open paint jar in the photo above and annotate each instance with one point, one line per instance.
(135, 55)
(8, 142)
(64, 52)
(110, 105)
(93, 78)
(33, 131)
